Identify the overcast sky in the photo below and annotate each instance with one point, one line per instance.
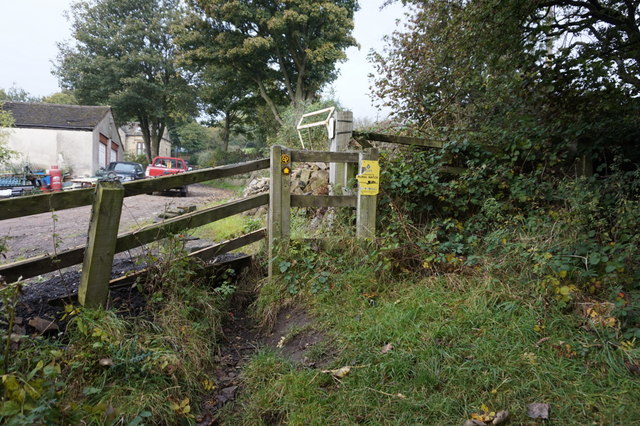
(30, 29)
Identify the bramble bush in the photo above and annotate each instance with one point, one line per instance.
(575, 239)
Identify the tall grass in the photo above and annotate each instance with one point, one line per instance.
(460, 342)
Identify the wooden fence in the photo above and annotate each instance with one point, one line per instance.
(103, 239)
(107, 199)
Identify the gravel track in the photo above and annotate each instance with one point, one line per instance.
(34, 235)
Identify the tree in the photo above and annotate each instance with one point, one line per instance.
(17, 94)
(493, 71)
(124, 56)
(65, 97)
(227, 98)
(6, 122)
(190, 137)
(593, 30)
(281, 50)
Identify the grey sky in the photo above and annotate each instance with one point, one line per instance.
(30, 29)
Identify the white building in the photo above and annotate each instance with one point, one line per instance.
(79, 139)
(133, 142)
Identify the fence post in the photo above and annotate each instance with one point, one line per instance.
(339, 142)
(101, 244)
(279, 203)
(367, 204)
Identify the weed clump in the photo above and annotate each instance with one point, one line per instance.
(107, 368)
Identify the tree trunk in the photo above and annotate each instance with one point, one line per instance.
(226, 132)
(146, 137)
(269, 101)
(152, 132)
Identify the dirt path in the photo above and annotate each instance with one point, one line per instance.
(34, 235)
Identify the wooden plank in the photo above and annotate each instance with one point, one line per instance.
(340, 143)
(35, 204)
(192, 220)
(279, 203)
(229, 245)
(324, 156)
(163, 183)
(324, 201)
(206, 254)
(128, 280)
(103, 233)
(42, 264)
(45, 263)
(403, 140)
(42, 203)
(367, 205)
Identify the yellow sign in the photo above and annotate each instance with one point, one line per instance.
(286, 170)
(284, 158)
(369, 177)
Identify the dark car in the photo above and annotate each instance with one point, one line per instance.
(123, 170)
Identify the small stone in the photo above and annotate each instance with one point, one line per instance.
(474, 423)
(538, 411)
(501, 417)
(106, 362)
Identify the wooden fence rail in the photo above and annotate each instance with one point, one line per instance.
(25, 206)
(103, 240)
(402, 140)
(38, 265)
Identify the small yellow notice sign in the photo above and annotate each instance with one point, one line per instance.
(369, 177)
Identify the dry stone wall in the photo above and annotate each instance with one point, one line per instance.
(306, 179)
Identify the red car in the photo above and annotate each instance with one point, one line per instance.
(162, 166)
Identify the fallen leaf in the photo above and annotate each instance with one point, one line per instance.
(541, 341)
(486, 416)
(43, 325)
(386, 348)
(339, 373)
(474, 422)
(634, 368)
(230, 392)
(538, 411)
(208, 385)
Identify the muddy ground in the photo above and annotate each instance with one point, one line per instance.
(34, 235)
(42, 302)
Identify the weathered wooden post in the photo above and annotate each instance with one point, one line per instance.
(338, 172)
(368, 188)
(279, 203)
(101, 244)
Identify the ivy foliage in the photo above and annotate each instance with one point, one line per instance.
(516, 106)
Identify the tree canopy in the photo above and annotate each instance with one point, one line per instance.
(124, 56)
(502, 72)
(604, 31)
(285, 51)
(6, 121)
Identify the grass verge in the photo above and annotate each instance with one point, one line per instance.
(435, 350)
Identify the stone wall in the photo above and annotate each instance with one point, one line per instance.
(306, 179)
